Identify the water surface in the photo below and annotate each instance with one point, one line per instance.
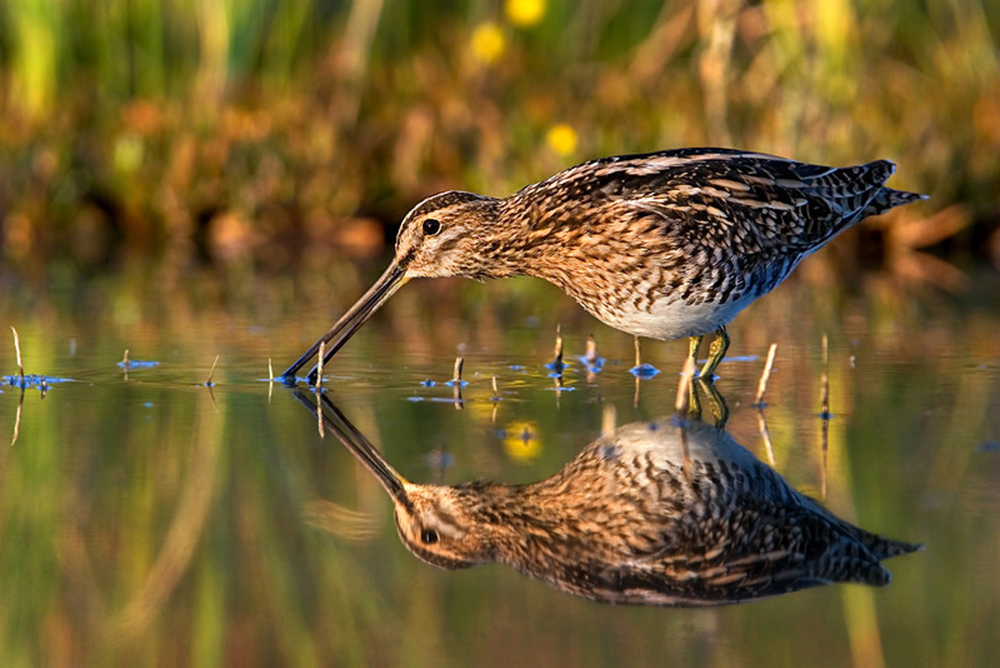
(151, 518)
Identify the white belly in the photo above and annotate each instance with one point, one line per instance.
(675, 319)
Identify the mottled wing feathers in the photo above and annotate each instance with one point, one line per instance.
(788, 552)
(770, 201)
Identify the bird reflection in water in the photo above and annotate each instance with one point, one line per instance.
(669, 512)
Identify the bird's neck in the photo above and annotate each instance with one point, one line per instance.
(527, 238)
(522, 530)
(511, 512)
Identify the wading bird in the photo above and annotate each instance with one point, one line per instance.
(663, 245)
(669, 512)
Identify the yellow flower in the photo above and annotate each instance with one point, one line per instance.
(128, 153)
(521, 442)
(488, 42)
(561, 138)
(525, 13)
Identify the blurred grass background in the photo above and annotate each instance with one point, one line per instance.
(274, 134)
(253, 141)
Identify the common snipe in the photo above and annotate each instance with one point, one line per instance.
(664, 245)
(657, 513)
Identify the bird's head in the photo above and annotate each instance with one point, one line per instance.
(450, 234)
(440, 526)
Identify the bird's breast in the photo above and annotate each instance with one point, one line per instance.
(669, 317)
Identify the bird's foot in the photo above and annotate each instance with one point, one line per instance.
(720, 344)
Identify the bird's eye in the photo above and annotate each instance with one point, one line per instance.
(429, 536)
(431, 226)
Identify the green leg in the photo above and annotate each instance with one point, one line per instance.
(693, 344)
(694, 401)
(720, 410)
(715, 353)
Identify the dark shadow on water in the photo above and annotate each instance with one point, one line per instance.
(665, 512)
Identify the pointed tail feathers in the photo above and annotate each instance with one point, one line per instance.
(888, 198)
(884, 548)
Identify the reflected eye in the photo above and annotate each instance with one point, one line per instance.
(429, 536)
(431, 226)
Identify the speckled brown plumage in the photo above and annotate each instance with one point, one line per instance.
(631, 520)
(666, 245)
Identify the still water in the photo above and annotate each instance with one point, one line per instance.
(151, 517)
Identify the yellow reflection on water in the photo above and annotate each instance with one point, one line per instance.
(521, 442)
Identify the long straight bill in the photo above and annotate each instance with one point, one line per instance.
(355, 441)
(386, 286)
